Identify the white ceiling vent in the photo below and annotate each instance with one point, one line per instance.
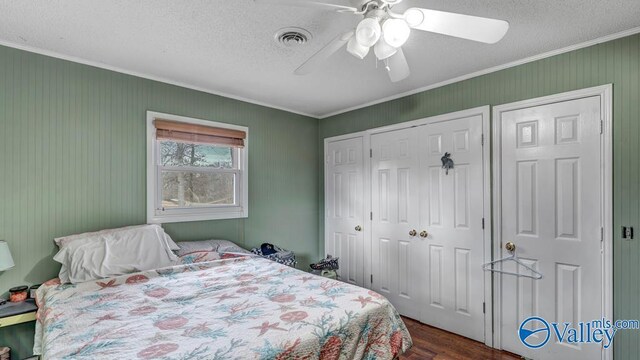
(292, 36)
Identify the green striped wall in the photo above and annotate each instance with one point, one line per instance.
(616, 62)
(73, 157)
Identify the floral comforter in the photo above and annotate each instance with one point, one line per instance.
(237, 308)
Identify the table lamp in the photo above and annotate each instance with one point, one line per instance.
(6, 261)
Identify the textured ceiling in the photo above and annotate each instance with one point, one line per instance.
(228, 46)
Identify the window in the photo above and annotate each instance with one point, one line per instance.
(196, 169)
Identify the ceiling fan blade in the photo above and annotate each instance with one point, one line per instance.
(323, 54)
(312, 4)
(469, 27)
(398, 66)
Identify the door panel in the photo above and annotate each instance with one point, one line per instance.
(435, 276)
(551, 189)
(396, 256)
(451, 212)
(383, 273)
(461, 196)
(345, 207)
(462, 280)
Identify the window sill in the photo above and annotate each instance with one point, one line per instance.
(160, 219)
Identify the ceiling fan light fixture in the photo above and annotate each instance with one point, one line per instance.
(413, 17)
(395, 32)
(387, 31)
(383, 50)
(368, 32)
(354, 48)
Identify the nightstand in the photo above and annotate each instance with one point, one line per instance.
(17, 313)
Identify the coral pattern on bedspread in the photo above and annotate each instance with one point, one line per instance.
(236, 308)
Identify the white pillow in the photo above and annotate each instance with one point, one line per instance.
(112, 253)
(170, 243)
(62, 241)
(63, 275)
(187, 247)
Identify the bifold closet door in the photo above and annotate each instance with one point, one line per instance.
(397, 256)
(427, 229)
(344, 197)
(451, 216)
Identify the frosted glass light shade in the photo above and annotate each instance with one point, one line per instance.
(383, 50)
(354, 48)
(395, 32)
(6, 261)
(368, 32)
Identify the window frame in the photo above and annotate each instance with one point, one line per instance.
(154, 177)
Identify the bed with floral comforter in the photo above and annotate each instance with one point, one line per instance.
(235, 308)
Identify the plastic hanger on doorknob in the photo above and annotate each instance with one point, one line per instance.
(511, 247)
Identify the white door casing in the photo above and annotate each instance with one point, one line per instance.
(397, 256)
(551, 166)
(344, 199)
(451, 212)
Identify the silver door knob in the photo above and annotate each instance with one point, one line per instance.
(358, 228)
(412, 233)
(424, 234)
(510, 246)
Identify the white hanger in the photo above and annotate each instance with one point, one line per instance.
(511, 247)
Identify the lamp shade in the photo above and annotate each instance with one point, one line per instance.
(383, 50)
(357, 50)
(6, 261)
(395, 32)
(368, 32)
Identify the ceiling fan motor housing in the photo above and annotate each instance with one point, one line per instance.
(377, 14)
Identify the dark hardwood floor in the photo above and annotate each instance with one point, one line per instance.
(433, 343)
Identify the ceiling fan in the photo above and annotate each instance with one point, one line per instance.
(386, 31)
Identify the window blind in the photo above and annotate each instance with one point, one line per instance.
(184, 132)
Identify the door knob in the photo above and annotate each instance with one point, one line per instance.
(424, 233)
(412, 233)
(358, 228)
(510, 246)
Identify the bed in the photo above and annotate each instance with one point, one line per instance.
(235, 307)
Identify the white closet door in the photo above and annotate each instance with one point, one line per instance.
(397, 256)
(451, 212)
(551, 201)
(344, 196)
